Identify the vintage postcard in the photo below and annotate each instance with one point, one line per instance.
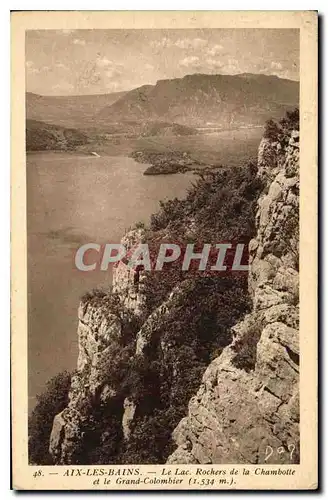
(164, 250)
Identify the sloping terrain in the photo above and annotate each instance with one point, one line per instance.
(42, 136)
(68, 111)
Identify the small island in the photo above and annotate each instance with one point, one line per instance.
(169, 162)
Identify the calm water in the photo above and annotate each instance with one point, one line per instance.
(71, 201)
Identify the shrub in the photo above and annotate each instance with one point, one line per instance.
(271, 130)
(94, 295)
(109, 302)
(51, 402)
(222, 206)
(246, 347)
(150, 442)
(162, 381)
(291, 121)
(102, 434)
(280, 131)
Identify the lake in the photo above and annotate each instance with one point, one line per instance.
(74, 200)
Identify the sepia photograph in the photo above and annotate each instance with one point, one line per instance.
(162, 190)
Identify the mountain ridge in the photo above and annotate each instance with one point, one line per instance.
(199, 98)
(193, 100)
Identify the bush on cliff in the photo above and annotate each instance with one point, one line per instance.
(51, 402)
(102, 433)
(280, 131)
(221, 206)
(246, 347)
(107, 301)
(163, 381)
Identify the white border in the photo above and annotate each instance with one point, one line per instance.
(5, 169)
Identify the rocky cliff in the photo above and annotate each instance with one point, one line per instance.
(247, 407)
(104, 322)
(139, 365)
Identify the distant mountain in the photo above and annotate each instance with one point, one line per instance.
(42, 136)
(200, 100)
(68, 111)
(155, 128)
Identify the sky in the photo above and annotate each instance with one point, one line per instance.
(76, 62)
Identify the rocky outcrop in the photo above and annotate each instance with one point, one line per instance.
(100, 332)
(97, 332)
(247, 407)
(128, 282)
(127, 419)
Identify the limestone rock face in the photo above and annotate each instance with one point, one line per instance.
(247, 407)
(127, 282)
(129, 411)
(96, 332)
(155, 320)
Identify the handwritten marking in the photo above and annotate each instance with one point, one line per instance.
(280, 450)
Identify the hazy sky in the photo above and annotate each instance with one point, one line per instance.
(69, 62)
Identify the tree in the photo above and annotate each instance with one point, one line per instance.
(271, 130)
